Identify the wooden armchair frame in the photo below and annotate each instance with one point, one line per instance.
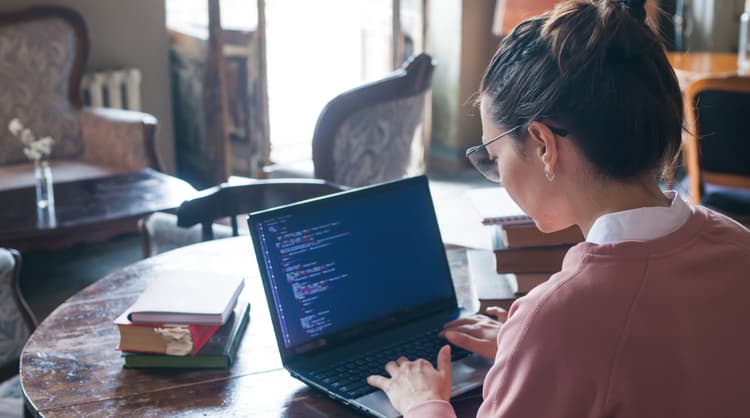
(228, 201)
(691, 146)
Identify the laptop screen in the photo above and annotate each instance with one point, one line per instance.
(348, 263)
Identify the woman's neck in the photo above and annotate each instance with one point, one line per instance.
(616, 196)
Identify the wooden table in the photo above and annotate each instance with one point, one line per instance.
(88, 210)
(690, 66)
(69, 367)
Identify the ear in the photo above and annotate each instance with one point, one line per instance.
(544, 145)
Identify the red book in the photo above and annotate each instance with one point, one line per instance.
(172, 339)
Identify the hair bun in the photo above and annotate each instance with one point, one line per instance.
(636, 8)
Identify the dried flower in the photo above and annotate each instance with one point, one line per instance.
(33, 149)
(15, 126)
(27, 137)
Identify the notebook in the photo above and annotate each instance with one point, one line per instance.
(188, 297)
(495, 206)
(354, 280)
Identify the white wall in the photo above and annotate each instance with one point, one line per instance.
(128, 34)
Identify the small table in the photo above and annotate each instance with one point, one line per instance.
(88, 210)
(69, 367)
(690, 66)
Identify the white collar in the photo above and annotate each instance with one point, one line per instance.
(641, 224)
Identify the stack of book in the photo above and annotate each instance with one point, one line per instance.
(522, 256)
(184, 320)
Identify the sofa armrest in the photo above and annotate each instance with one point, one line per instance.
(120, 138)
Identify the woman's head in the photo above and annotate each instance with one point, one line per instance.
(595, 69)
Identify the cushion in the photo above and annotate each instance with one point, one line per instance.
(375, 144)
(22, 175)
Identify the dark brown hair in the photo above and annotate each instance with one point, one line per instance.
(596, 69)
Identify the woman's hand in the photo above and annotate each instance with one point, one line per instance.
(478, 333)
(414, 382)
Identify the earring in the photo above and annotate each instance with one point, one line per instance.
(550, 176)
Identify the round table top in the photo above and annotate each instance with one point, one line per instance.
(69, 366)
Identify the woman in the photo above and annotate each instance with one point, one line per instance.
(580, 111)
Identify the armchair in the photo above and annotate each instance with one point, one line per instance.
(16, 324)
(43, 51)
(367, 135)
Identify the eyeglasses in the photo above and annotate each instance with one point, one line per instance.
(486, 165)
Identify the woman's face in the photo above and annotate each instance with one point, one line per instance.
(521, 168)
(505, 151)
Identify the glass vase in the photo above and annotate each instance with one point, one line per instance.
(45, 194)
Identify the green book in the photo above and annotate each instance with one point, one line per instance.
(218, 353)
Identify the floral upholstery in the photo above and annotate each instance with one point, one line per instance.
(36, 61)
(375, 144)
(116, 138)
(13, 328)
(371, 133)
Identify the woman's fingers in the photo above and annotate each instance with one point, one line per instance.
(463, 339)
(462, 321)
(475, 330)
(391, 367)
(482, 346)
(444, 360)
(499, 313)
(379, 382)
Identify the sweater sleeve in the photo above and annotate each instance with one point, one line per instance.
(431, 409)
(543, 367)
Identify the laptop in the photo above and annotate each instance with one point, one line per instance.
(354, 280)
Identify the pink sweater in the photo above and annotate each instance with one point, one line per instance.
(656, 328)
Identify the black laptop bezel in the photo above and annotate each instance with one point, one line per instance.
(342, 337)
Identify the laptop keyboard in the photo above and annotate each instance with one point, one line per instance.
(350, 377)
